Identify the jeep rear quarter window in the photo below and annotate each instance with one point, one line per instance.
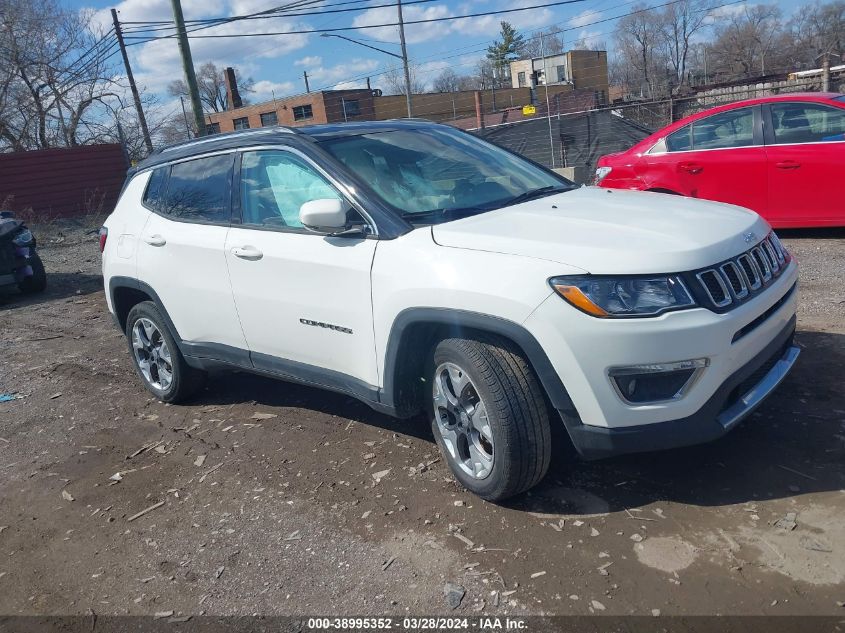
(154, 195)
(199, 190)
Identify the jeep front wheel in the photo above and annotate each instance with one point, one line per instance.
(489, 416)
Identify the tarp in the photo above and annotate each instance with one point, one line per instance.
(572, 139)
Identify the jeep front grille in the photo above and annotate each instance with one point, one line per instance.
(731, 282)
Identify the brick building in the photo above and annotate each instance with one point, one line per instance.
(581, 69)
(322, 106)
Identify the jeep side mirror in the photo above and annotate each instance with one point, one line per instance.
(326, 215)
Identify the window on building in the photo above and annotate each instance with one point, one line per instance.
(520, 79)
(199, 190)
(302, 112)
(269, 118)
(274, 185)
(241, 124)
(212, 128)
(351, 107)
(561, 73)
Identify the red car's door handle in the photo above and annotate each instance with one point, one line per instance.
(788, 164)
(691, 168)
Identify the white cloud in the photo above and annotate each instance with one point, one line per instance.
(414, 33)
(157, 63)
(345, 74)
(590, 38)
(266, 90)
(585, 17)
(311, 60)
(490, 25)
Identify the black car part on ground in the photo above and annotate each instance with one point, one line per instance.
(20, 264)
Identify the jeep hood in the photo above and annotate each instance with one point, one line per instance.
(604, 231)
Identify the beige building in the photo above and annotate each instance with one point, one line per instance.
(582, 70)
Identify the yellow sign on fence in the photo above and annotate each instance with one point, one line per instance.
(528, 110)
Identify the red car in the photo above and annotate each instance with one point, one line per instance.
(781, 156)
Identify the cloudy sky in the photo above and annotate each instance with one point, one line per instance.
(276, 62)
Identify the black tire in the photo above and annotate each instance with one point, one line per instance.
(186, 380)
(38, 282)
(517, 413)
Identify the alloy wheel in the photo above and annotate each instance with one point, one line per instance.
(461, 418)
(152, 354)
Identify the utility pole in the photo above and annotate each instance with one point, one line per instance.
(548, 103)
(141, 118)
(307, 87)
(185, 116)
(188, 66)
(826, 72)
(404, 58)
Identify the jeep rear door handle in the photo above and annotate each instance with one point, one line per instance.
(155, 240)
(691, 168)
(249, 253)
(788, 164)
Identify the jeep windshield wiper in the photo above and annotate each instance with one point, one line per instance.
(536, 193)
(443, 214)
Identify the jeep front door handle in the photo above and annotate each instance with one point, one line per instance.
(249, 253)
(155, 240)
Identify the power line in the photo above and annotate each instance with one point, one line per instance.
(278, 12)
(562, 30)
(390, 24)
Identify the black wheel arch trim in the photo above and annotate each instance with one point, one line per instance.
(115, 283)
(461, 321)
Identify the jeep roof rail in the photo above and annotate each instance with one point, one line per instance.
(226, 135)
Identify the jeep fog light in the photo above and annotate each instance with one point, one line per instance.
(656, 382)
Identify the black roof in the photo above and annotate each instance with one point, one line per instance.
(274, 134)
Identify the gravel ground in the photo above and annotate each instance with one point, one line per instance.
(270, 498)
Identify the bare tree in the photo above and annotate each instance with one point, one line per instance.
(745, 42)
(589, 44)
(54, 68)
(447, 81)
(679, 22)
(211, 83)
(638, 47)
(545, 42)
(822, 30)
(394, 81)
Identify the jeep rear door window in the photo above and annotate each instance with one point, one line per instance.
(274, 185)
(435, 174)
(200, 189)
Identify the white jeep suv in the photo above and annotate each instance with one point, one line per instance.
(421, 269)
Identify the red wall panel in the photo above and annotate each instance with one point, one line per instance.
(64, 182)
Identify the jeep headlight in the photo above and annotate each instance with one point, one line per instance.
(614, 297)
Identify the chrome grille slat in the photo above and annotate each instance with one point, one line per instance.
(717, 277)
(739, 287)
(749, 269)
(736, 279)
(762, 263)
(770, 251)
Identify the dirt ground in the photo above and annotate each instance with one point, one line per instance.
(269, 498)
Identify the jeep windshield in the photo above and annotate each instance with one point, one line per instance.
(435, 174)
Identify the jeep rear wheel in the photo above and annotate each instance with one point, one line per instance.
(489, 416)
(156, 356)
